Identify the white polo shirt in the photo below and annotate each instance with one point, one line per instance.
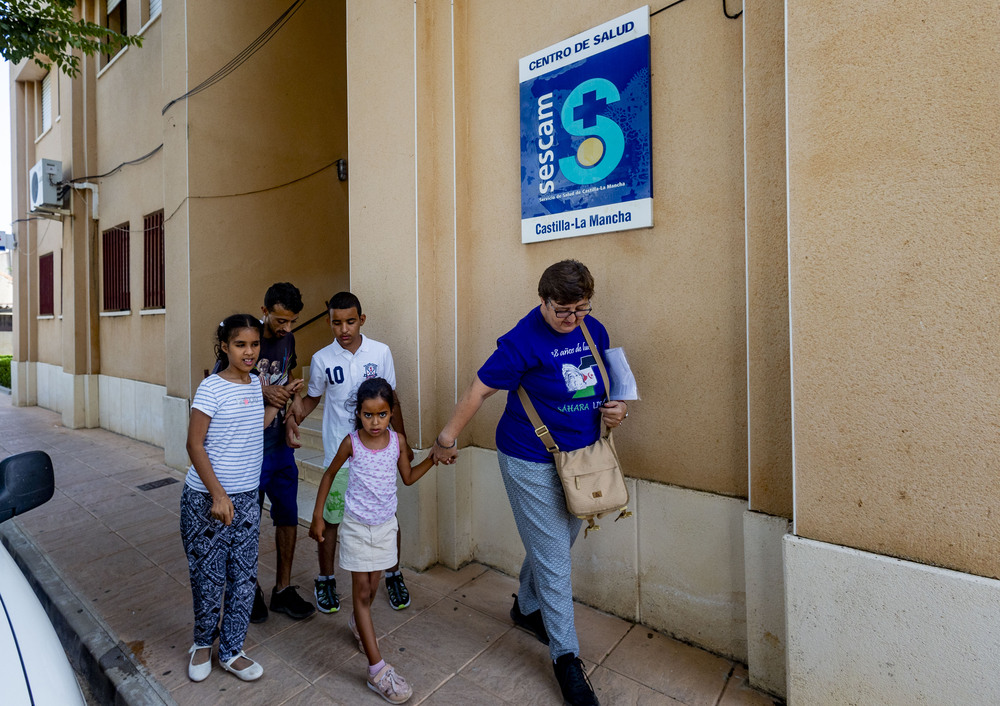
(339, 374)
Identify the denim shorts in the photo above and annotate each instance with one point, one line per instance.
(279, 480)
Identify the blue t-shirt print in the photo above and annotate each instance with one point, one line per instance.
(560, 374)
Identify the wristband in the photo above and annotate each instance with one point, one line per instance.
(437, 440)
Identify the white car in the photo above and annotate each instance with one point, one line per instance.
(33, 666)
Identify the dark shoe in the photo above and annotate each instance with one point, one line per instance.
(258, 614)
(573, 681)
(399, 597)
(325, 592)
(531, 623)
(289, 602)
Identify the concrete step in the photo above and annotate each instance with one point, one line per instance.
(310, 463)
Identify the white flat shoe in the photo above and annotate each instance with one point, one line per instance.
(251, 673)
(199, 672)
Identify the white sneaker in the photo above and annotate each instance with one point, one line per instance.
(389, 685)
(199, 672)
(250, 673)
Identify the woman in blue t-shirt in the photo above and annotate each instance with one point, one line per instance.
(547, 354)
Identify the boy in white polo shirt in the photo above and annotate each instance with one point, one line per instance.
(338, 370)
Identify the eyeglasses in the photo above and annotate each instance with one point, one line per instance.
(565, 314)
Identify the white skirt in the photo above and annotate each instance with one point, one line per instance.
(367, 547)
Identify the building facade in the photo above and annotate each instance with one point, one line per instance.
(810, 318)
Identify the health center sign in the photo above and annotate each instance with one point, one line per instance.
(586, 164)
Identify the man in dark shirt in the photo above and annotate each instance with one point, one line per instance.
(279, 476)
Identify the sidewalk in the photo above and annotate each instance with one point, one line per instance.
(107, 552)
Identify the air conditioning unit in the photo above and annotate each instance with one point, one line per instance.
(43, 181)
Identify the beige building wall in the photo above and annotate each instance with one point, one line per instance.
(264, 203)
(893, 212)
(672, 295)
(893, 167)
(769, 407)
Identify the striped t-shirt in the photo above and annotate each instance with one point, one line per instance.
(235, 438)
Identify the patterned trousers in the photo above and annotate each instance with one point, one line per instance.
(547, 531)
(222, 560)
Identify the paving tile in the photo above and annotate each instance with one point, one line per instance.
(598, 632)
(98, 544)
(450, 632)
(165, 658)
(459, 691)
(444, 580)
(680, 671)
(517, 668)
(314, 646)
(119, 567)
(613, 688)
(104, 599)
(489, 593)
(310, 696)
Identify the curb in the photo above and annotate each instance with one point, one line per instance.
(107, 664)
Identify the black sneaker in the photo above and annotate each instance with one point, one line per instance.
(289, 602)
(258, 614)
(573, 681)
(399, 597)
(325, 592)
(532, 622)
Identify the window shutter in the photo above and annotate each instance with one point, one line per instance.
(47, 101)
(154, 8)
(112, 4)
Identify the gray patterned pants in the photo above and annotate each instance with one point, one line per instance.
(547, 531)
(222, 560)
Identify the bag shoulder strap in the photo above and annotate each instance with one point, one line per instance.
(597, 357)
(541, 431)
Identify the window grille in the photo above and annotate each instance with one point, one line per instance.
(115, 256)
(153, 270)
(46, 298)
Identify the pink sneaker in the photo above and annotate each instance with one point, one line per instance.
(390, 686)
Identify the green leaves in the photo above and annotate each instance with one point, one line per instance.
(49, 32)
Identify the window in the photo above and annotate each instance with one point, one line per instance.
(46, 298)
(150, 9)
(114, 247)
(45, 109)
(6, 319)
(116, 20)
(153, 292)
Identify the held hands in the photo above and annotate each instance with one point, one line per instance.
(613, 413)
(444, 454)
(279, 395)
(222, 509)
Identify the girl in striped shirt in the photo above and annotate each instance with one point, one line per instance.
(219, 512)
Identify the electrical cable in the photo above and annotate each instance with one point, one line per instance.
(254, 191)
(137, 160)
(242, 57)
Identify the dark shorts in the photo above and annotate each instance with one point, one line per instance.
(279, 480)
